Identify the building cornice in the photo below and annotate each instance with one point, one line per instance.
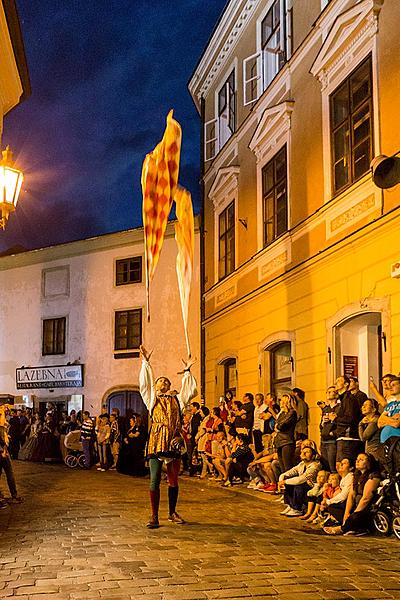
(100, 243)
(234, 19)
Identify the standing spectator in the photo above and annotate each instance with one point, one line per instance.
(285, 427)
(25, 424)
(14, 432)
(368, 429)
(258, 423)
(328, 430)
(62, 430)
(302, 410)
(5, 461)
(115, 438)
(354, 389)
(270, 413)
(297, 481)
(246, 412)
(387, 390)
(73, 424)
(87, 435)
(29, 448)
(193, 430)
(389, 423)
(348, 417)
(103, 441)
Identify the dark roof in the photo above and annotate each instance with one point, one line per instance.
(14, 28)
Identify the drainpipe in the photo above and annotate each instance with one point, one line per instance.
(202, 263)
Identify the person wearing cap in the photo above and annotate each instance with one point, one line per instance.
(389, 424)
(165, 407)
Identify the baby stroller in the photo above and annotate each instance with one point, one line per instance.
(75, 457)
(386, 508)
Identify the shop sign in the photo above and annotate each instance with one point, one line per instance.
(59, 376)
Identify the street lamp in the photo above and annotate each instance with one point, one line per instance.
(11, 180)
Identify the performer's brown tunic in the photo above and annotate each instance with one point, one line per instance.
(166, 424)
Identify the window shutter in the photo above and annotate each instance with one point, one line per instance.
(252, 78)
(211, 139)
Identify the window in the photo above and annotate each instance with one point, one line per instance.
(274, 191)
(217, 131)
(128, 329)
(230, 378)
(226, 109)
(260, 68)
(351, 127)
(281, 368)
(129, 270)
(271, 42)
(54, 336)
(226, 234)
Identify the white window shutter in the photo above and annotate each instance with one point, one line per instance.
(211, 139)
(252, 78)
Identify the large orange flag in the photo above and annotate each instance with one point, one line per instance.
(159, 182)
(184, 235)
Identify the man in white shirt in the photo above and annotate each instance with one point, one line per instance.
(165, 443)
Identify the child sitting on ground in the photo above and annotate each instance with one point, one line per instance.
(314, 496)
(331, 489)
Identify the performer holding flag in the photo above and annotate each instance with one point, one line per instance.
(165, 442)
(160, 188)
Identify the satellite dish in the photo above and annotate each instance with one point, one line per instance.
(385, 171)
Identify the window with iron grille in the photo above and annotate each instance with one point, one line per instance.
(226, 233)
(53, 341)
(351, 127)
(129, 270)
(275, 203)
(128, 329)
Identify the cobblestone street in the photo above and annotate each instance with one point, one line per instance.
(81, 535)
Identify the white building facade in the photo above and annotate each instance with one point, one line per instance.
(72, 318)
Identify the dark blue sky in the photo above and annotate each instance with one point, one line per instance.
(104, 75)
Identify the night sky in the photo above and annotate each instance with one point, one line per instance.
(104, 75)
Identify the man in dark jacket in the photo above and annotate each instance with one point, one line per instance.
(328, 429)
(348, 417)
(5, 461)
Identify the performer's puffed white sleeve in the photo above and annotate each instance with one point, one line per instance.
(146, 385)
(188, 390)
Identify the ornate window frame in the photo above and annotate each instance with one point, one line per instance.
(352, 37)
(271, 134)
(223, 191)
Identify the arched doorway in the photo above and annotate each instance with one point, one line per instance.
(358, 348)
(128, 402)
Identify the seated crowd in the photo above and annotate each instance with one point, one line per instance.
(265, 442)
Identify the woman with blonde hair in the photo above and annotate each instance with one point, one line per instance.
(284, 432)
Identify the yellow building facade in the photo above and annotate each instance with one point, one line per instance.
(299, 245)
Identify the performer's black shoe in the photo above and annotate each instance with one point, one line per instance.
(153, 523)
(175, 518)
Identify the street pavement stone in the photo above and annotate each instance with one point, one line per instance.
(81, 535)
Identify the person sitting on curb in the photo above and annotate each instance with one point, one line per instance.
(296, 482)
(357, 518)
(236, 465)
